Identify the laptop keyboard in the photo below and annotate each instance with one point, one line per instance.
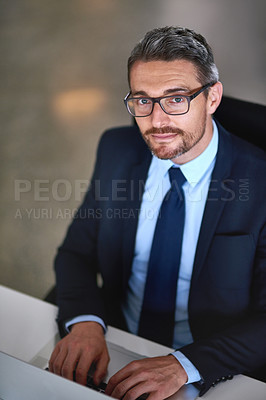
(101, 388)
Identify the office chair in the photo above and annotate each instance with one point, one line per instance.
(244, 119)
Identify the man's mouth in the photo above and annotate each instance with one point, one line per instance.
(165, 137)
(164, 133)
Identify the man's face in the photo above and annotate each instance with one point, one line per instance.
(177, 137)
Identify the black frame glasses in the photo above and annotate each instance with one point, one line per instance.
(154, 100)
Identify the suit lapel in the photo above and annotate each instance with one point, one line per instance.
(218, 195)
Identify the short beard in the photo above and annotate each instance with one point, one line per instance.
(187, 141)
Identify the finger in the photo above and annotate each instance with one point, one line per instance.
(122, 381)
(121, 388)
(130, 388)
(52, 358)
(82, 368)
(136, 391)
(101, 368)
(120, 376)
(69, 365)
(114, 381)
(58, 361)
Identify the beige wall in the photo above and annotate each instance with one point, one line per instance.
(63, 77)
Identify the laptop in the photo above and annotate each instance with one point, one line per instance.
(30, 381)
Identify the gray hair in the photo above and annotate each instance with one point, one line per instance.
(176, 43)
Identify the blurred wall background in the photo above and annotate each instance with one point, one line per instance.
(63, 78)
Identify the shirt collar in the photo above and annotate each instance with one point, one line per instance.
(195, 169)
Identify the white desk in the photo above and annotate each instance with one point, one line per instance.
(26, 324)
(29, 332)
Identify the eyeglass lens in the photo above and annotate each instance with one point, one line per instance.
(172, 105)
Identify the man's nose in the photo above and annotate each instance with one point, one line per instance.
(159, 117)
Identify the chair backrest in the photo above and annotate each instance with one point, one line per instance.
(244, 119)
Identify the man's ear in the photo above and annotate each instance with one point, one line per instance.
(214, 97)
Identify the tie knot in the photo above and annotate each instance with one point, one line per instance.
(177, 179)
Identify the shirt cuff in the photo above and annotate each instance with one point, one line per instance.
(192, 372)
(85, 318)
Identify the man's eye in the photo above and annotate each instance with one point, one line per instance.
(177, 99)
(143, 102)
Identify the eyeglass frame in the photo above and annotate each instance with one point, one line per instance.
(158, 100)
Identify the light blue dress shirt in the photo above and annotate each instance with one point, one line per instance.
(198, 175)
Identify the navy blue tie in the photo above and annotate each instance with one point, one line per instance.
(157, 317)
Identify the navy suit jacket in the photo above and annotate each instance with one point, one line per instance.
(227, 301)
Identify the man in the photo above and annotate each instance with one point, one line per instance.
(219, 268)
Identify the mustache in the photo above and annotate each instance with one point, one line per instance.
(164, 130)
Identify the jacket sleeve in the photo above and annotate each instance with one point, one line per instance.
(76, 261)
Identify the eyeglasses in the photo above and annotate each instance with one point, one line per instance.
(172, 105)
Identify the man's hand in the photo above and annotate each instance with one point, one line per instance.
(83, 346)
(159, 376)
